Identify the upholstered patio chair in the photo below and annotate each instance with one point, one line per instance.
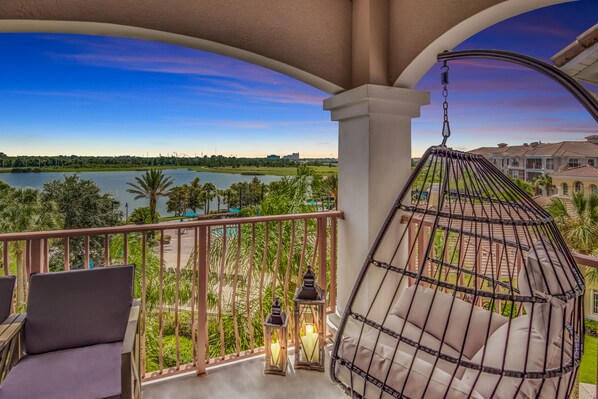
(79, 338)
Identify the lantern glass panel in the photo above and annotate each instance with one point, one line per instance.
(276, 348)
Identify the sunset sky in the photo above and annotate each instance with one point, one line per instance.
(73, 94)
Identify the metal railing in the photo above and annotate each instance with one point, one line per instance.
(206, 286)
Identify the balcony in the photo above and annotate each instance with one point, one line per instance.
(205, 288)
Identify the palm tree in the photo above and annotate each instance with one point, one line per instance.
(579, 224)
(543, 183)
(151, 185)
(209, 190)
(331, 187)
(195, 200)
(23, 209)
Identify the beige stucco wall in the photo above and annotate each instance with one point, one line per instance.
(588, 184)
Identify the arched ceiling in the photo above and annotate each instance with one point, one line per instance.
(334, 45)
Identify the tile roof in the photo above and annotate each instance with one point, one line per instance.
(562, 149)
(580, 171)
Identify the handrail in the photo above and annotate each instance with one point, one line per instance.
(139, 228)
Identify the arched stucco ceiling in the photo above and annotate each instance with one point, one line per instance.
(333, 45)
(414, 59)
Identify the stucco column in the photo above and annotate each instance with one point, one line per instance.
(374, 157)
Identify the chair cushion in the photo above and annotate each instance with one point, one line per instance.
(407, 375)
(78, 308)
(90, 372)
(7, 286)
(410, 331)
(508, 344)
(441, 316)
(544, 275)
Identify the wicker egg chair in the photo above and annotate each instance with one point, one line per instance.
(469, 291)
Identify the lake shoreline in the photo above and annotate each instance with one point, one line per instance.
(244, 170)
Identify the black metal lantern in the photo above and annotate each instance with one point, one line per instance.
(310, 324)
(275, 330)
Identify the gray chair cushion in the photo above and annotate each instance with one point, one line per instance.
(91, 372)
(78, 308)
(7, 287)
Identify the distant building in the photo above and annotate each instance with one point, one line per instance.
(582, 179)
(273, 156)
(294, 156)
(530, 161)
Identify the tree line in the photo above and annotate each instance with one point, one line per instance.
(35, 163)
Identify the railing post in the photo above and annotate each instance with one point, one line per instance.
(202, 299)
(37, 258)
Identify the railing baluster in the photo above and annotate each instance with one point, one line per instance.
(86, 253)
(322, 227)
(143, 299)
(36, 257)
(67, 253)
(126, 248)
(106, 250)
(160, 305)
(6, 257)
(202, 300)
(303, 251)
(263, 271)
(277, 261)
(220, 290)
(176, 299)
(193, 291)
(333, 264)
(248, 287)
(287, 275)
(234, 295)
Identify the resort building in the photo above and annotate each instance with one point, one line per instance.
(581, 179)
(532, 160)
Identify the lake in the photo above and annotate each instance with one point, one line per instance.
(116, 182)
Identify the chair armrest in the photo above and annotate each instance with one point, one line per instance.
(10, 342)
(132, 328)
(130, 356)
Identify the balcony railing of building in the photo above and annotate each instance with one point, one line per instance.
(205, 286)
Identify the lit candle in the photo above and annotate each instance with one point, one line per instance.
(275, 359)
(309, 342)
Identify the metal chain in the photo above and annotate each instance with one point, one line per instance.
(444, 80)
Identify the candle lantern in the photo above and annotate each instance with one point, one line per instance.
(310, 324)
(275, 329)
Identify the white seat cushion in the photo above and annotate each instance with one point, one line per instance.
(412, 377)
(467, 326)
(414, 333)
(509, 346)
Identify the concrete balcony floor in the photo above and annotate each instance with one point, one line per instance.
(245, 379)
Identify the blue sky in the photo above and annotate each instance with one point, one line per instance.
(73, 94)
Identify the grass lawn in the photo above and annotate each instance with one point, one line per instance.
(275, 171)
(587, 369)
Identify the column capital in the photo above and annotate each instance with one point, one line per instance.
(373, 99)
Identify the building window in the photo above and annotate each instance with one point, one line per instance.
(508, 161)
(578, 187)
(573, 162)
(594, 301)
(502, 162)
(515, 174)
(516, 162)
(533, 163)
(593, 189)
(592, 162)
(550, 164)
(565, 189)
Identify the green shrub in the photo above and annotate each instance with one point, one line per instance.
(591, 327)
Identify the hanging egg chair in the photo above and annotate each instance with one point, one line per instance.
(469, 291)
